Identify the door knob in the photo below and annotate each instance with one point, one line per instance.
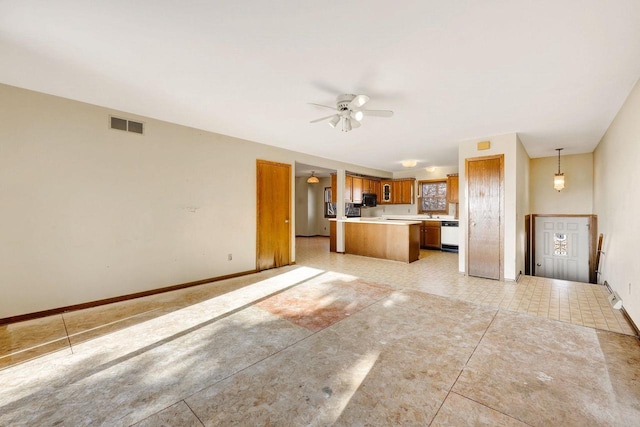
(286, 221)
(538, 265)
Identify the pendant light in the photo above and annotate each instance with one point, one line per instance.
(313, 179)
(558, 179)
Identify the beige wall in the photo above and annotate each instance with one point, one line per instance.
(321, 223)
(577, 196)
(90, 213)
(523, 197)
(616, 202)
(310, 220)
(302, 206)
(515, 206)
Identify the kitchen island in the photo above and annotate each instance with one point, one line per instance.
(380, 238)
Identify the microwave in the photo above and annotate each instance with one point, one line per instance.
(369, 200)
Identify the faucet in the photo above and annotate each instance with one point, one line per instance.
(430, 215)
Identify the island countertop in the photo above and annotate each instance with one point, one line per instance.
(377, 220)
(419, 217)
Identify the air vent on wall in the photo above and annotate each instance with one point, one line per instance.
(126, 125)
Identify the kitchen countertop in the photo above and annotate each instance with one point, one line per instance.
(419, 217)
(379, 220)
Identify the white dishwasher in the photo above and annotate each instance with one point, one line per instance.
(449, 236)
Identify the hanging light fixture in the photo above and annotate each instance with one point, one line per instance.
(313, 179)
(558, 179)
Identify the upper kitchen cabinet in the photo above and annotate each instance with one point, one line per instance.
(356, 189)
(452, 188)
(386, 191)
(371, 186)
(406, 194)
(398, 191)
(348, 188)
(375, 188)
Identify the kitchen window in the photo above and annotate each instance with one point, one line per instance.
(432, 196)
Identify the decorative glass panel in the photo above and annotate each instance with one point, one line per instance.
(560, 244)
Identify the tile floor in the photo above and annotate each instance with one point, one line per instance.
(334, 340)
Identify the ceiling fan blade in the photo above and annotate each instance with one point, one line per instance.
(378, 113)
(323, 118)
(320, 105)
(358, 101)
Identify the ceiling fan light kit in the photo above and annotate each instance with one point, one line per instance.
(349, 112)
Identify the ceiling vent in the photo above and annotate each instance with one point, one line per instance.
(127, 125)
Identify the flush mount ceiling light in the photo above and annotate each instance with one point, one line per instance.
(349, 112)
(558, 179)
(313, 179)
(409, 163)
(430, 169)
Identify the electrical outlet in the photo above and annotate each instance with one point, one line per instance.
(229, 257)
(629, 288)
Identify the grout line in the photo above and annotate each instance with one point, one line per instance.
(193, 412)
(492, 409)
(464, 366)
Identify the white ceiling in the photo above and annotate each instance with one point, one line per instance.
(555, 71)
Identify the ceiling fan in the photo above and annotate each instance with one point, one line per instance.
(350, 112)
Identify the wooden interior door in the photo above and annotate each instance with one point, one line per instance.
(485, 213)
(273, 214)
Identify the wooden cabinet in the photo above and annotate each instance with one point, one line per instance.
(399, 242)
(452, 188)
(397, 191)
(386, 191)
(348, 185)
(332, 236)
(405, 195)
(371, 186)
(375, 188)
(366, 185)
(356, 189)
(430, 235)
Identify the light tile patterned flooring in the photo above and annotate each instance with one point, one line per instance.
(437, 273)
(353, 341)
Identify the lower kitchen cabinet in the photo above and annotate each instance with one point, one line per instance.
(430, 235)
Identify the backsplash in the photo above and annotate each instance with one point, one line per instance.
(389, 210)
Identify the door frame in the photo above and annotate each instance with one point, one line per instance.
(530, 231)
(259, 207)
(501, 228)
